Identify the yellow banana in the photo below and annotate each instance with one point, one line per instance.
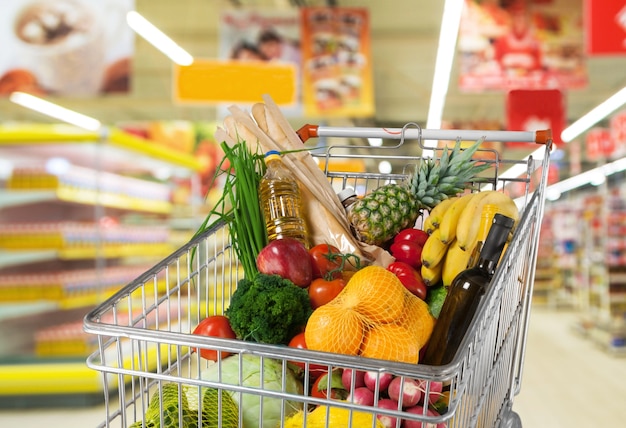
(467, 227)
(431, 275)
(434, 250)
(447, 227)
(436, 214)
(455, 262)
(467, 216)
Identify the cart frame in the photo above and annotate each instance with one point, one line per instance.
(144, 337)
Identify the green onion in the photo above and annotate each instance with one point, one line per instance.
(238, 207)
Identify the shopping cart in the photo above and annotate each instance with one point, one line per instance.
(144, 339)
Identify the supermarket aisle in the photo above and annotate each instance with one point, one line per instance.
(568, 382)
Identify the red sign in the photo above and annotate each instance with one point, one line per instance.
(532, 110)
(605, 22)
(598, 144)
(618, 132)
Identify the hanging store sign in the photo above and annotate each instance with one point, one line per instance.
(532, 110)
(256, 44)
(65, 47)
(617, 126)
(214, 82)
(605, 25)
(337, 62)
(599, 144)
(530, 45)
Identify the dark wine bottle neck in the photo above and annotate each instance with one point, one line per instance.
(494, 244)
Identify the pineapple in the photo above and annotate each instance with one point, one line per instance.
(382, 213)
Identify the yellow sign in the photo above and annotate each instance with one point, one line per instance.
(215, 81)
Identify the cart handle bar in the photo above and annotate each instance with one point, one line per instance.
(313, 131)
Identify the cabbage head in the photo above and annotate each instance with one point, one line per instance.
(250, 404)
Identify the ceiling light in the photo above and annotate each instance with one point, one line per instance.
(158, 39)
(56, 111)
(594, 116)
(375, 142)
(384, 167)
(449, 31)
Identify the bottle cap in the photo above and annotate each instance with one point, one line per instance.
(505, 221)
(272, 154)
(346, 193)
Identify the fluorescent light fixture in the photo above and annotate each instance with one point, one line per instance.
(158, 39)
(594, 116)
(595, 176)
(448, 34)
(56, 111)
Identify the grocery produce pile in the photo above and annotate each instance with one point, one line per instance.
(369, 283)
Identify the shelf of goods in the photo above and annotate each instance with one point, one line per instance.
(81, 214)
(557, 260)
(604, 308)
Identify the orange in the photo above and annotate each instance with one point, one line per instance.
(331, 328)
(391, 342)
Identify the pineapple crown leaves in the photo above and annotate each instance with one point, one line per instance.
(437, 180)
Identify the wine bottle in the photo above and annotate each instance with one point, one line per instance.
(486, 218)
(464, 296)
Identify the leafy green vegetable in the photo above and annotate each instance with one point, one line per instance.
(435, 298)
(252, 369)
(171, 414)
(211, 408)
(171, 410)
(268, 309)
(239, 206)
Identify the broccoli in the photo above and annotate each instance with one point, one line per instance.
(268, 309)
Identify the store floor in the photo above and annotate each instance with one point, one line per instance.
(568, 382)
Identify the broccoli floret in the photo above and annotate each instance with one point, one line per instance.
(268, 309)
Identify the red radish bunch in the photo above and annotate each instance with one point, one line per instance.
(397, 393)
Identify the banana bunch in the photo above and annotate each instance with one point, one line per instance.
(453, 226)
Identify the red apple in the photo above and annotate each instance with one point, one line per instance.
(288, 258)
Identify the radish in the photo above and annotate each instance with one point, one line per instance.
(388, 404)
(362, 395)
(434, 392)
(346, 378)
(419, 410)
(383, 380)
(410, 394)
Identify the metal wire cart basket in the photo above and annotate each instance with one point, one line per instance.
(145, 344)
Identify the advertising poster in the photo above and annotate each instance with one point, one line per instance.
(605, 27)
(530, 44)
(65, 47)
(535, 109)
(337, 70)
(264, 37)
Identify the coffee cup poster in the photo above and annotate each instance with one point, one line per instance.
(65, 47)
(530, 44)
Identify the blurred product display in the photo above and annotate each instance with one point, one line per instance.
(80, 216)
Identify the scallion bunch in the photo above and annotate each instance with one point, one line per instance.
(239, 207)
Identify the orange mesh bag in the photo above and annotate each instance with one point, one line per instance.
(375, 310)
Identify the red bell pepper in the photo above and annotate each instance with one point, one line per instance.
(413, 235)
(408, 252)
(409, 277)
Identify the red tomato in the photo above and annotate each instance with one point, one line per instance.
(337, 391)
(322, 291)
(214, 326)
(410, 278)
(315, 370)
(414, 235)
(326, 260)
